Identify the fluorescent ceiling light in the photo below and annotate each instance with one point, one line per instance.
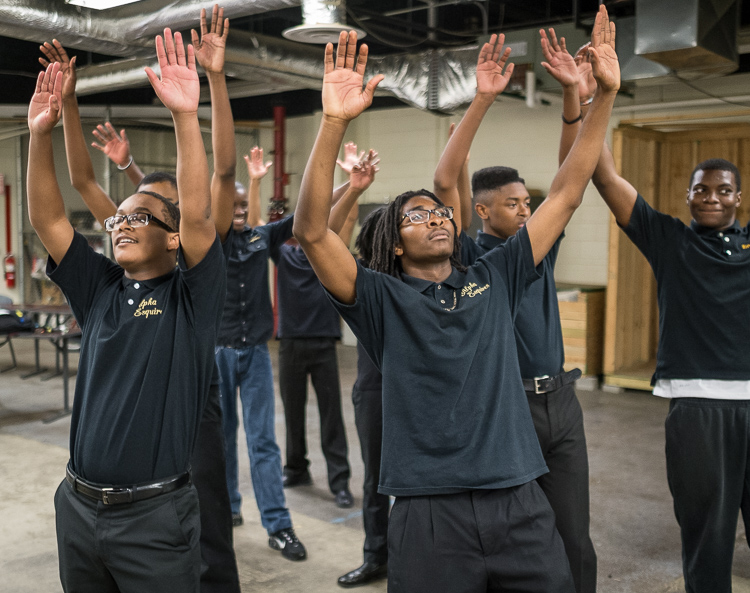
(100, 4)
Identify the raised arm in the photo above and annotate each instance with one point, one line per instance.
(344, 98)
(79, 161)
(179, 90)
(491, 81)
(46, 208)
(257, 169)
(209, 51)
(117, 149)
(345, 206)
(562, 67)
(464, 189)
(566, 191)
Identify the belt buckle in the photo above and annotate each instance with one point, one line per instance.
(537, 387)
(106, 492)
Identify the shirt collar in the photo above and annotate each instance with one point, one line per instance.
(150, 283)
(709, 232)
(455, 280)
(487, 241)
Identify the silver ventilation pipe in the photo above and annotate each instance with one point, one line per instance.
(120, 32)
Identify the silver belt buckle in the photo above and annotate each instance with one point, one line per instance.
(537, 387)
(107, 491)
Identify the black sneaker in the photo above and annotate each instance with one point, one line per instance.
(285, 540)
(237, 519)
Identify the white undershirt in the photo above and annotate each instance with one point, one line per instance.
(706, 388)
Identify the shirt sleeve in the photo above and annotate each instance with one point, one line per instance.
(81, 274)
(514, 261)
(649, 229)
(365, 315)
(279, 232)
(206, 284)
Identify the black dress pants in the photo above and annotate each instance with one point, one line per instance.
(477, 541)
(368, 416)
(558, 421)
(707, 444)
(146, 546)
(218, 563)
(298, 358)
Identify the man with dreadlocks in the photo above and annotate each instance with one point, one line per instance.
(459, 448)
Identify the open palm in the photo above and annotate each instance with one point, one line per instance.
(116, 147)
(604, 62)
(492, 59)
(55, 52)
(559, 63)
(343, 95)
(256, 167)
(179, 87)
(45, 107)
(210, 47)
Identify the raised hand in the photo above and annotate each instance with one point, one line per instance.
(343, 95)
(115, 146)
(351, 158)
(256, 168)
(604, 62)
(363, 172)
(492, 59)
(210, 47)
(559, 63)
(54, 52)
(45, 107)
(586, 80)
(179, 87)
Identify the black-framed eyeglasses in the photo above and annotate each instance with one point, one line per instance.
(135, 220)
(422, 216)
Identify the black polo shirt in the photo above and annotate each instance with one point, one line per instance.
(248, 316)
(304, 308)
(368, 375)
(703, 287)
(147, 355)
(537, 325)
(455, 415)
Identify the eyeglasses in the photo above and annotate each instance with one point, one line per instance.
(422, 216)
(135, 220)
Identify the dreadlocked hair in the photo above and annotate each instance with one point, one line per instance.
(387, 236)
(364, 240)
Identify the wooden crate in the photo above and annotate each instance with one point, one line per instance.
(582, 323)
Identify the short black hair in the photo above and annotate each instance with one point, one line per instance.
(387, 236)
(170, 212)
(493, 178)
(158, 177)
(718, 165)
(366, 236)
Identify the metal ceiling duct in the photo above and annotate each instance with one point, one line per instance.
(322, 22)
(117, 32)
(693, 37)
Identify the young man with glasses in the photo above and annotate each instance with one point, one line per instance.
(127, 514)
(219, 567)
(459, 448)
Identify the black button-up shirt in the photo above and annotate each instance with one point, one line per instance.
(248, 317)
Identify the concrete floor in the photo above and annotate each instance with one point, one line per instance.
(633, 528)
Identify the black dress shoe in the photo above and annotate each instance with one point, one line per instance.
(290, 480)
(344, 499)
(369, 571)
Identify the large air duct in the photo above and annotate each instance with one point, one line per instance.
(695, 38)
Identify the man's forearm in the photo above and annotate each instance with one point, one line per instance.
(314, 204)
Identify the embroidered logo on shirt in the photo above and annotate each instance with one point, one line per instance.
(146, 308)
(254, 238)
(746, 246)
(471, 290)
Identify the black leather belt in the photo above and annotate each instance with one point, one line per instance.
(126, 494)
(546, 384)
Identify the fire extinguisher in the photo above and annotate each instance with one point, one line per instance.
(9, 267)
